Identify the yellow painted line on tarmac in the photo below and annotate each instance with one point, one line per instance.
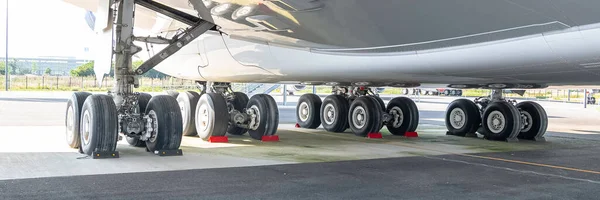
(472, 156)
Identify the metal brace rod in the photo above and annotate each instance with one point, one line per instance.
(169, 12)
(175, 46)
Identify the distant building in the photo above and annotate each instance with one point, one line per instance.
(60, 66)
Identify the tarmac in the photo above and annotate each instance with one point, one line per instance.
(36, 163)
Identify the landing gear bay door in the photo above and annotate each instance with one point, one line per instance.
(104, 39)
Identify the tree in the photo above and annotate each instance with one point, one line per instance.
(13, 66)
(34, 68)
(48, 71)
(86, 69)
(2, 68)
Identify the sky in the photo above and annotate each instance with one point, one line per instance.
(44, 28)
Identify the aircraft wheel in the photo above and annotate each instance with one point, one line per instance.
(334, 113)
(98, 124)
(212, 116)
(143, 99)
(239, 103)
(535, 120)
(380, 106)
(73, 117)
(446, 92)
(165, 119)
(187, 102)
(405, 91)
(405, 116)
(501, 121)
(307, 111)
(462, 117)
(364, 116)
(264, 117)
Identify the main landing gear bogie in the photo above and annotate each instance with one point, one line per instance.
(357, 109)
(497, 119)
(223, 111)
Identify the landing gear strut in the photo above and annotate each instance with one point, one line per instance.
(497, 118)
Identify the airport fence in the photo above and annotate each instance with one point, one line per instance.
(68, 83)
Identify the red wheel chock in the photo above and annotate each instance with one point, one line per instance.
(411, 134)
(374, 135)
(297, 125)
(218, 139)
(270, 138)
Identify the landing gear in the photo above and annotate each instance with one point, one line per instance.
(163, 124)
(143, 99)
(187, 104)
(365, 116)
(94, 121)
(463, 117)
(360, 109)
(239, 103)
(264, 116)
(501, 121)
(223, 111)
(73, 117)
(98, 125)
(404, 116)
(497, 118)
(307, 111)
(534, 121)
(211, 116)
(334, 113)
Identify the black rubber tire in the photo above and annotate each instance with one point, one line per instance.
(143, 99)
(405, 91)
(314, 106)
(169, 133)
(172, 93)
(273, 117)
(511, 118)
(239, 103)
(187, 102)
(341, 108)
(74, 105)
(217, 116)
(539, 120)
(370, 107)
(410, 113)
(472, 115)
(259, 104)
(103, 123)
(378, 114)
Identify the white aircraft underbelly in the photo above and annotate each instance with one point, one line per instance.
(389, 42)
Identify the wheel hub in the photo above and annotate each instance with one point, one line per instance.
(254, 113)
(70, 125)
(329, 116)
(86, 128)
(496, 121)
(358, 117)
(203, 117)
(457, 118)
(304, 111)
(151, 127)
(398, 116)
(527, 121)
